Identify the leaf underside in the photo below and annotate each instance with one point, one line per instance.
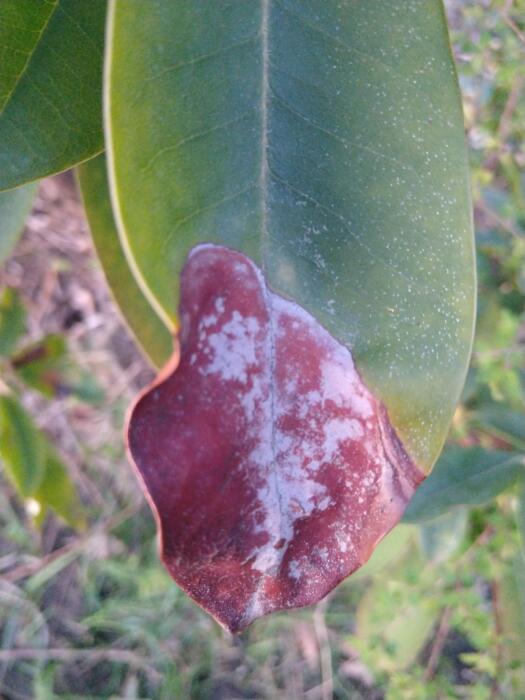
(271, 467)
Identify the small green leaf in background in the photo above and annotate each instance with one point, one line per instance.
(38, 364)
(47, 367)
(511, 604)
(396, 616)
(15, 206)
(148, 329)
(22, 447)
(501, 422)
(389, 550)
(21, 27)
(464, 476)
(12, 320)
(442, 537)
(57, 491)
(33, 467)
(52, 118)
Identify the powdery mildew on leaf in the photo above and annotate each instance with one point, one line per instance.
(272, 469)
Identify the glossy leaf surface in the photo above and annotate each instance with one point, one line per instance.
(324, 140)
(21, 27)
(464, 476)
(145, 325)
(14, 208)
(272, 469)
(53, 117)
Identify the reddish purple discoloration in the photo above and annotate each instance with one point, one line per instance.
(272, 469)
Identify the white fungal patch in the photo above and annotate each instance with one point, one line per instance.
(232, 347)
(341, 384)
(339, 430)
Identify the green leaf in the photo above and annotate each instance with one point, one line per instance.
(57, 491)
(22, 448)
(388, 551)
(145, 325)
(442, 537)
(52, 119)
(511, 604)
(21, 27)
(47, 367)
(396, 615)
(39, 363)
(502, 422)
(14, 209)
(464, 476)
(324, 140)
(33, 466)
(12, 320)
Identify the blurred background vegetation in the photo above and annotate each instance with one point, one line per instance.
(87, 611)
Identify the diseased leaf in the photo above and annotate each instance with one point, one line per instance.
(12, 320)
(21, 27)
(145, 325)
(271, 467)
(22, 448)
(14, 208)
(53, 117)
(325, 141)
(464, 476)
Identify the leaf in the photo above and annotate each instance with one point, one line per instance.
(22, 449)
(33, 466)
(57, 491)
(14, 209)
(388, 551)
(21, 27)
(443, 537)
(464, 476)
(325, 141)
(503, 423)
(39, 364)
(147, 328)
(272, 469)
(396, 616)
(47, 367)
(53, 117)
(12, 320)
(511, 604)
